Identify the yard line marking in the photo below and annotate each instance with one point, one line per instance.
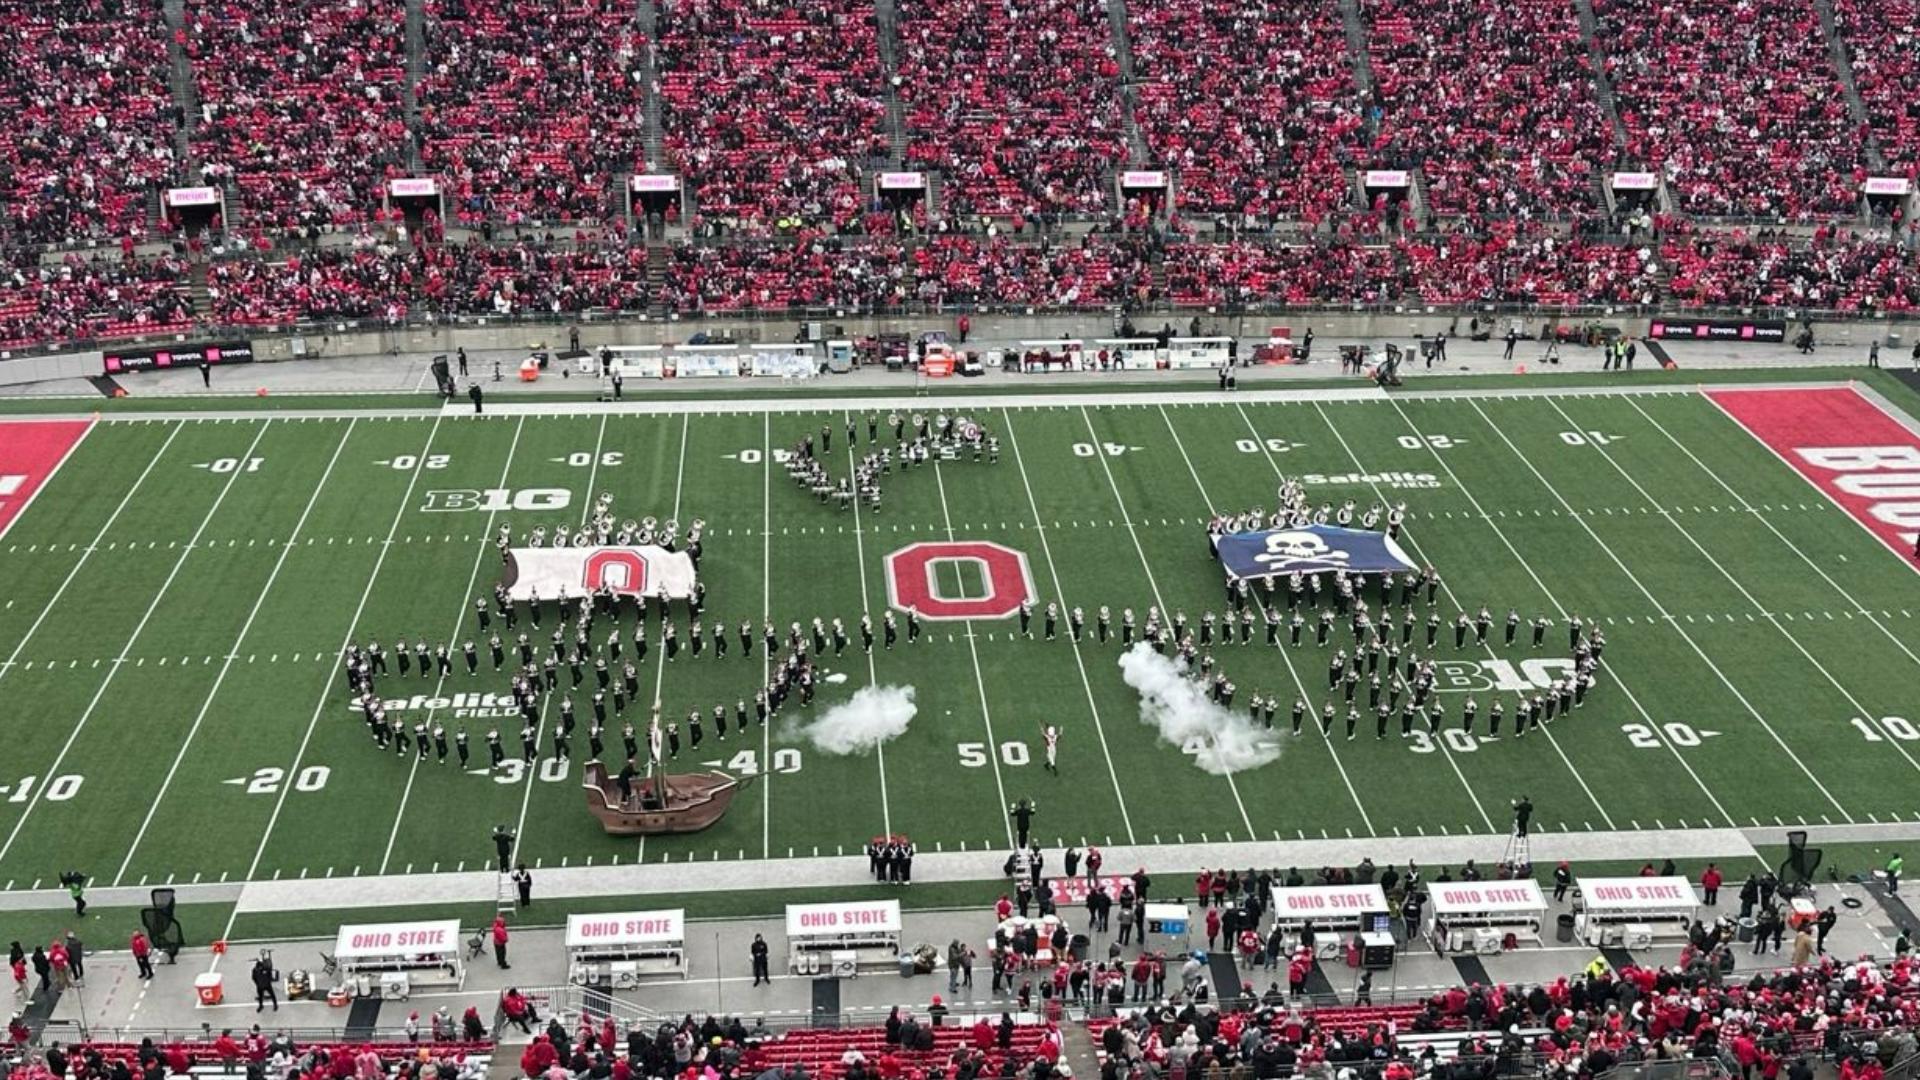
(1655, 601)
(979, 680)
(326, 693)
(866, 609)
(666, 613)
(100, 692)
(440, 682)
(1871, 715)
(593, 470)
(1562, 612)
(1086, 682)
(766, 616)
(21, 645)
(1145, 565)
(1341, 438)
(1299, 684)
(259, 601)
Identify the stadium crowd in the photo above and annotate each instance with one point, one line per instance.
(1495, 102)
(1015, 102)
(530, 115)
(528, 110)
(78, 298)
(745, 85)
(388, 283)
(101, 296)
(1254, 105)
(1879, 35)
(86, 118)
(299, 106)
(1737, 102)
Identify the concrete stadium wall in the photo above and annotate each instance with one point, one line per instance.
(1328, 328)
(986, 327)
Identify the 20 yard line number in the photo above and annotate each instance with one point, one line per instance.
(1679, 733)
(267, 780)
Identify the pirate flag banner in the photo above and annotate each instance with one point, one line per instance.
(1313, 549)
(550, 572)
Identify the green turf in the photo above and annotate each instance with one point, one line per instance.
(258, 767)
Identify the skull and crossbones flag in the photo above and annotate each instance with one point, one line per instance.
(1310, 550)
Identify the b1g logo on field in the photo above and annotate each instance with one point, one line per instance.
(1481, 676)
(497, 500)
(929, 579)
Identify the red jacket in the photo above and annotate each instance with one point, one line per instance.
(499, 931)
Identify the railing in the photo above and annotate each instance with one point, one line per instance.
(71, 1031)
(1713, 1068)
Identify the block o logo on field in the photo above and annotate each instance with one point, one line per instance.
(913, 579)
(622, 571)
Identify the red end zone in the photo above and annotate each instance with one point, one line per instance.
(1852, 450)
(30, 453)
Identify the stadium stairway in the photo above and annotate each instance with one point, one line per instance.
(1356, 29)
(886, 21)
(1602, 86)
(1843, 66)
(416, 67)
(196, 287)
(647, 17)
(657, 255)
(1123, 54)
(180, 79)
(1078, 1049)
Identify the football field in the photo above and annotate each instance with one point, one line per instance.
(179, 593)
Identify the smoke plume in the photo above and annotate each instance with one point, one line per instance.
(1222, 741)
(873, 715)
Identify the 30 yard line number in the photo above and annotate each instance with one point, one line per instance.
(1456, 740)
(1255, 446)
(581, 459)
